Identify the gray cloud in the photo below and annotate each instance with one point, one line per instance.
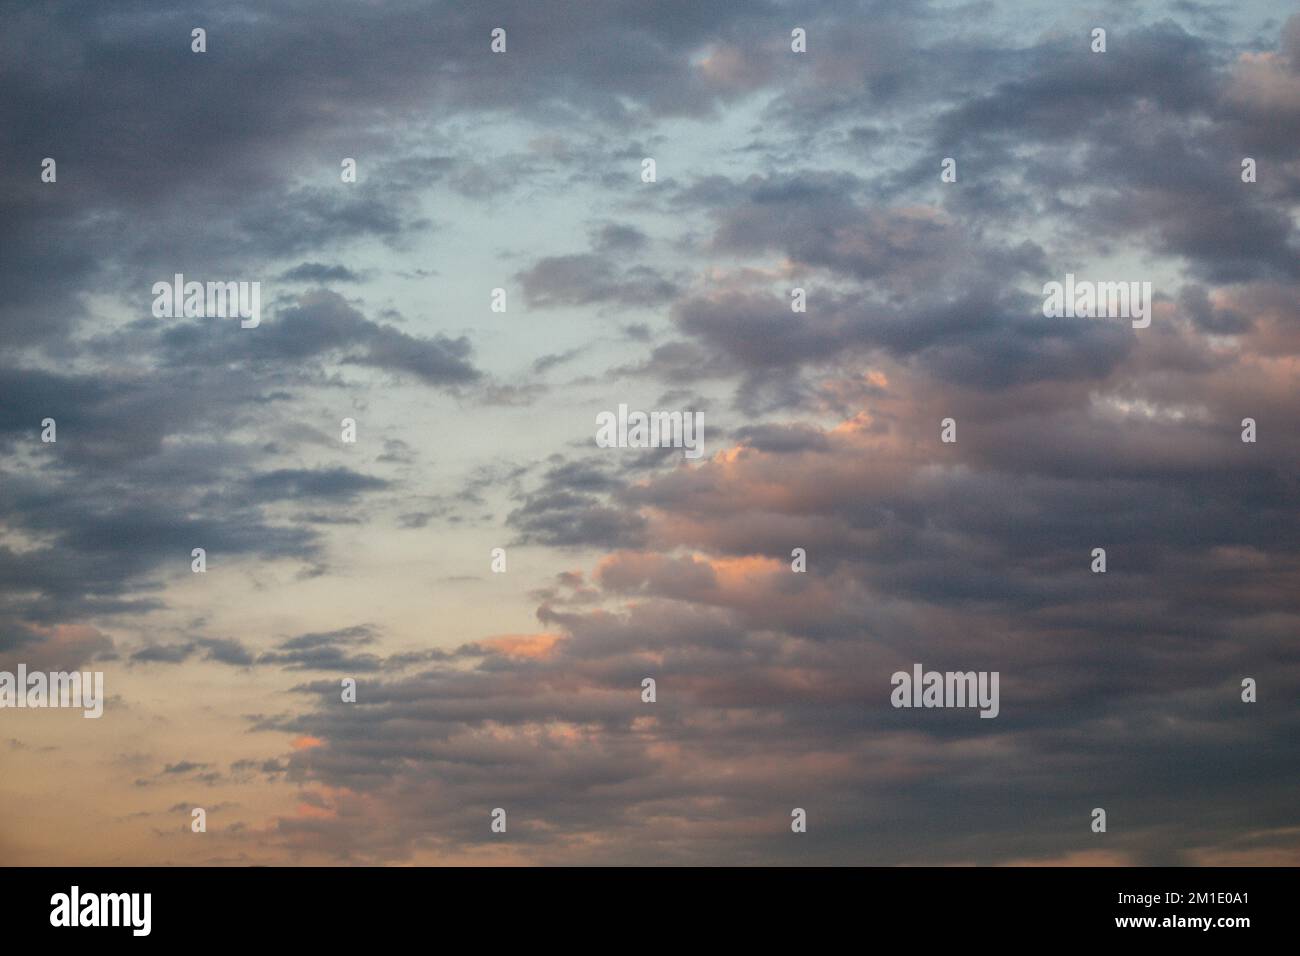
(588, 279)
(1120, 688)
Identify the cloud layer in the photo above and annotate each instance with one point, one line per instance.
(332, 560)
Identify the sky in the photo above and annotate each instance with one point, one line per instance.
(372, 560)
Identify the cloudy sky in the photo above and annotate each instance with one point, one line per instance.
(475, 431)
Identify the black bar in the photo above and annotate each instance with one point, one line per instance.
(641, 908)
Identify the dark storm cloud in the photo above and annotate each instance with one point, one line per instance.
(116, 505)
(322, 325)
(974, 339)
(227, 651)
(1194, 300)
(122, 420)
(782, 438)
(163, 654)
(813, 220)
(298, 483)
(102, 544)
(677, 362)
(565, 520)
(358, 634)
(565, 510)
(221, 650)
(554, 360)
(943, 306)
(333, 652)
(1156, 135)
(328, 650)
(318, 273)
(337, 650)
(588, 278)
(184, 766)
(1066, 85)
(618, 237)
